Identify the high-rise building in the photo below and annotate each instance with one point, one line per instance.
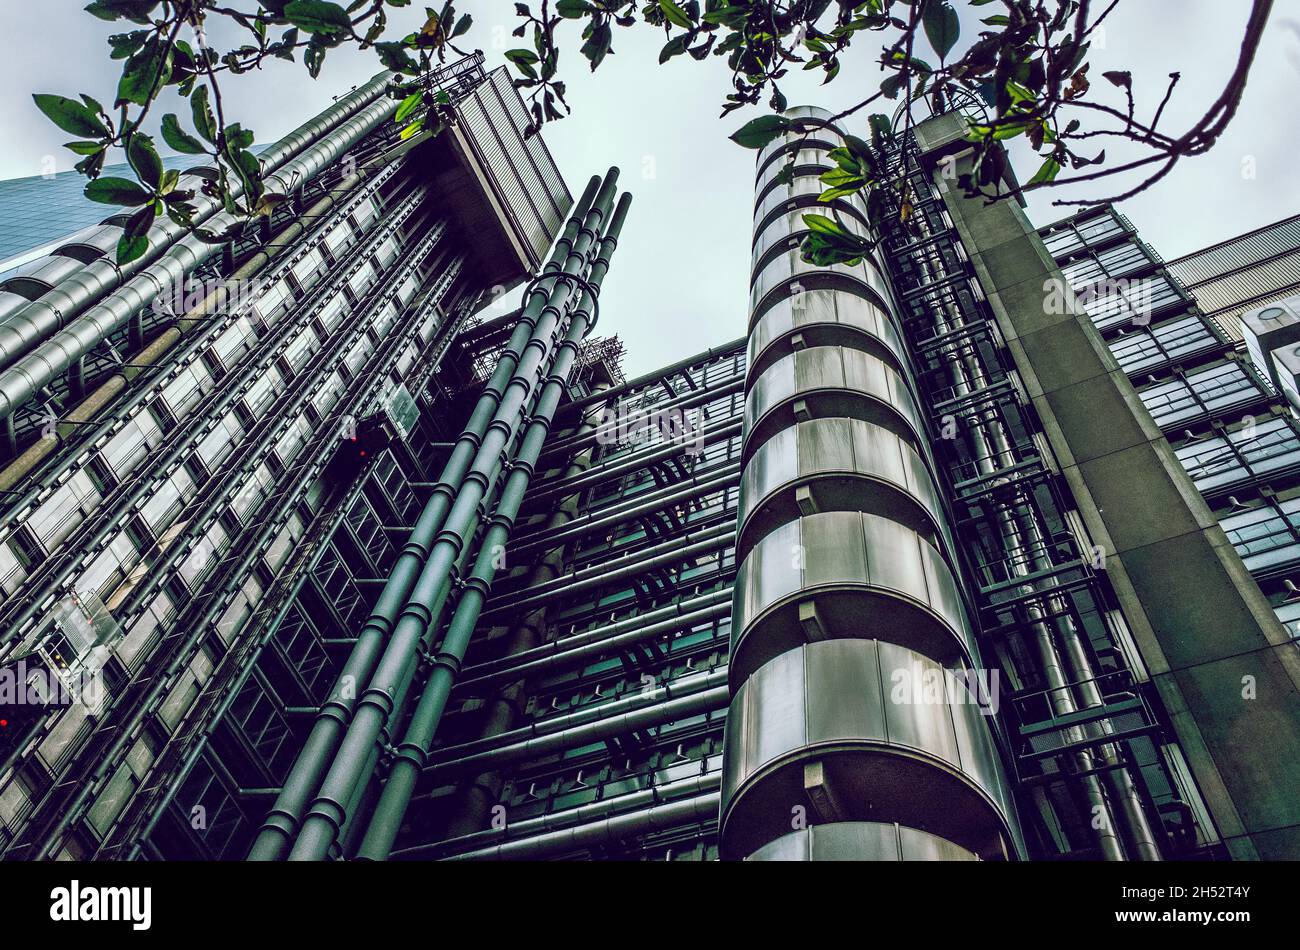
(910, 570)
(1176, 330)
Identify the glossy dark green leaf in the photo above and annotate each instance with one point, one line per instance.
(318, 16)
(573, 9)
(70, 115)
(116, 191)
(942, 27)
(142, 155)
(135, 10)
(177, 138)
(145, 73)
(758, 132)
(675, 14)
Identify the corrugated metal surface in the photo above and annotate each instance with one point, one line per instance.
(528, 180)
(1243, 251)
(1227, 297)
(1247, 272)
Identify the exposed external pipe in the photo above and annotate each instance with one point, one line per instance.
(702, 808)
(281, 823)
(675, 551)
(525, 633)
(105, 518)
(641, 504)
(91, 406)
(161, 683)
(36, 321)
(632, 385)
(992, 451)
(599, 641)
(433, 585)
(529, 828)
(723, 428)
(421, 307)
(387, 818)
(689, 400)
(687, 696)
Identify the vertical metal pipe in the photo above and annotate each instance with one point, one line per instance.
(429, 594)
(281, 823)
(387, 818)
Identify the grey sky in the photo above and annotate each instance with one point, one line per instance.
(679, 283)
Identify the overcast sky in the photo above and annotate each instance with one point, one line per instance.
(679, 282)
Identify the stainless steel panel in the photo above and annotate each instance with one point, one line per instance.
(846, 702)
(827, 132)
(895, 559)
(861, 841)
(827, 368)
(878, 754)
(792, 223)
(917, 713)
(790, 267)
(836, 316)
(865, 575)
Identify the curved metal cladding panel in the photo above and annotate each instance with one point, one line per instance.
(845, 602)
(823, 318)
(836, 465)
(861, 841)
(828, 381)
(845, 574)
(857, 730)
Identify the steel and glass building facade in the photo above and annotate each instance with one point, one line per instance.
(917, 568)
(1176, 329)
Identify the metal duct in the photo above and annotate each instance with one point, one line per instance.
(21, 381)
(77, 291)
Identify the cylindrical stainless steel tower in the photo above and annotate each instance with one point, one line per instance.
(852, 730)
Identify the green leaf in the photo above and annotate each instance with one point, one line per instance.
(177, 138)
(675, 14)
(395, 57)
(942, 27)
(1046, 172)
(204, 121)
(142, 155)
(838, 177)
(409, 105)
(84, 148)
(521, 56)
(573, 9)
(146, 72)
(131, 248)
(137, 10)
(70, 115)
(116, 191)
(124, 44)
(462, 25)
(597, 46)
(673, 47)
(238, 137)
(824, 225)
(758, 132)
(318, 16)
